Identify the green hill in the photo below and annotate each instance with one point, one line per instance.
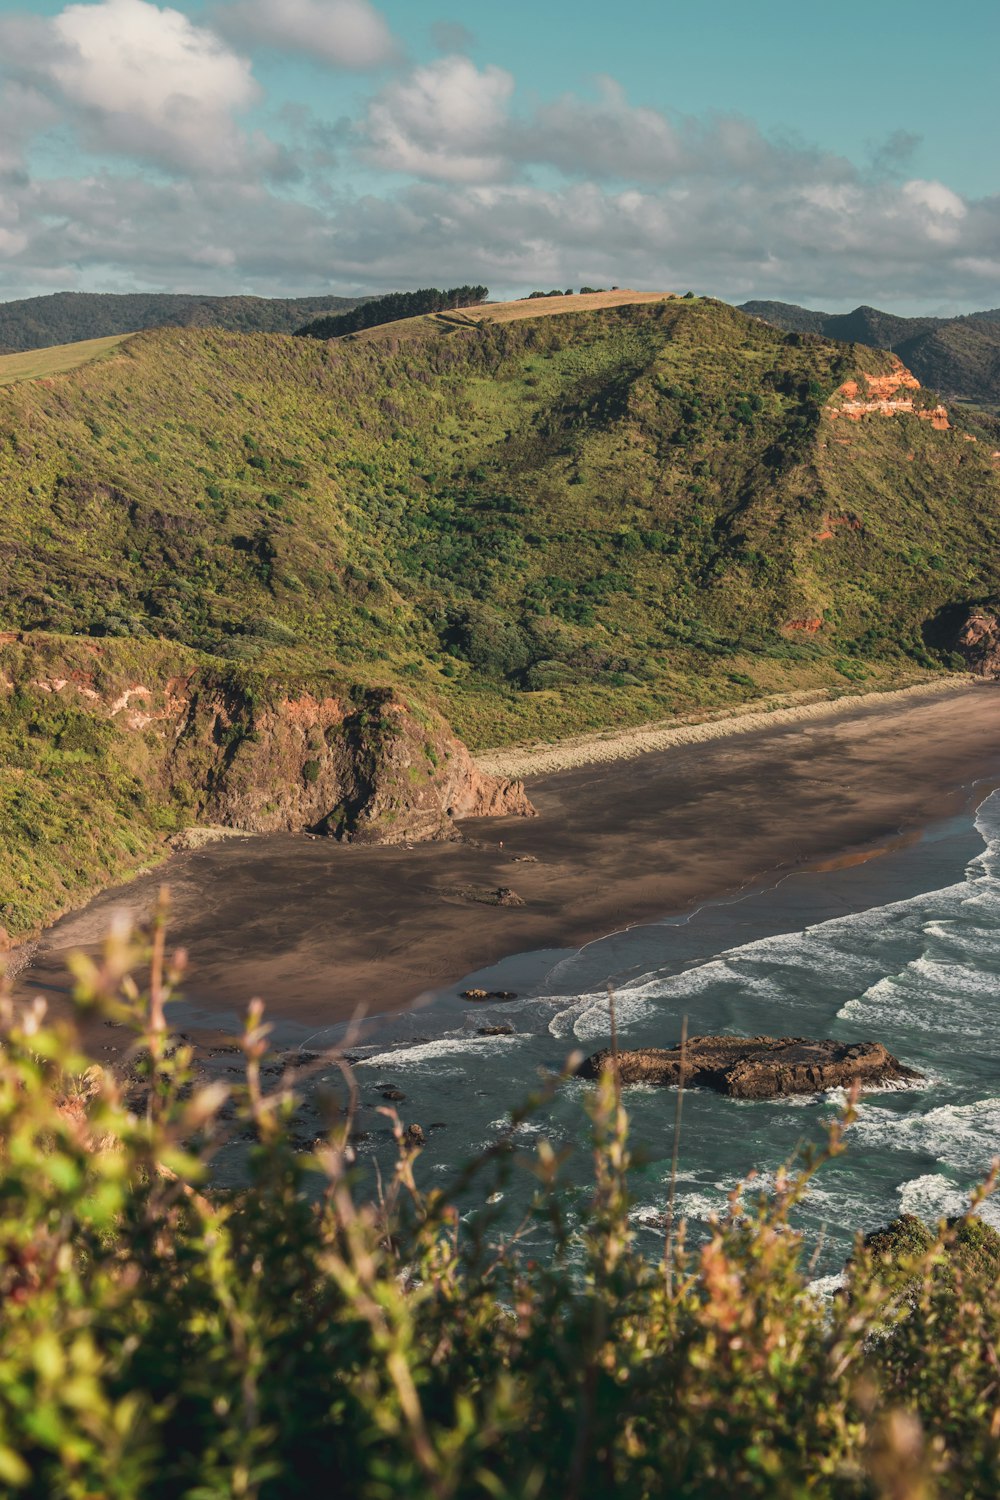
(530, 528)
(958, 356)
(70, 317)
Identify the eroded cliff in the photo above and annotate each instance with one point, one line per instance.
(171, 739)
(895, 394)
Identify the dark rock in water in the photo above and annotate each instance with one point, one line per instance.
(495, 1031)
(395, 1095)
(414, 1136)
(758, 1067)
(489, 995)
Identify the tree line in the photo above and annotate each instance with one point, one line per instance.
(392, 307)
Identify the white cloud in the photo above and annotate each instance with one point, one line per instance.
(445, 120)
(570, 191)
(935, 196)
(114, 232)
(451, 121)
(944, 210)
(342, 33)
(23, 113)
(145, 81)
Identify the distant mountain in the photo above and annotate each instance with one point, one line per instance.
(67, 317)
(957, 356)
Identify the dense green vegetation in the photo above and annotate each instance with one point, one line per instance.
(542, 526)
(68, 317)
(392, 307)
(534, 528)
(959, 356)
(292, 1336)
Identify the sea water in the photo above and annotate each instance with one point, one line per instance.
(903, 948)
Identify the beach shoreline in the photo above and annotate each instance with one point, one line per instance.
(607, 745)
(321, 930)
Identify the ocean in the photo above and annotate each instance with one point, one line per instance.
(901, 945)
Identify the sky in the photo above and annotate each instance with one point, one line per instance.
(824, 155)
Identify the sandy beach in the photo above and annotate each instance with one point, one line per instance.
(319, 928)
(778, 712)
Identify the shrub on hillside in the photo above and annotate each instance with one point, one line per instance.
(287, 1336)
(488, 641)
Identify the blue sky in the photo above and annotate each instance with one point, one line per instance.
(830, 156)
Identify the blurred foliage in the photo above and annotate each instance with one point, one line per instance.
(295, 1335)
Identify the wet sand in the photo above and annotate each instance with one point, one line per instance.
(319, 929)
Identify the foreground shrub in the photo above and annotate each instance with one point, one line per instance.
(289, 1336)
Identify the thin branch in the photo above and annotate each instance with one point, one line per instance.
(614, 1044)
(668, 1249)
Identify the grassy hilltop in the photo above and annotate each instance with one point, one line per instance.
(532, 527)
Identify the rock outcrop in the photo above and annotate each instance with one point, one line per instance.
(978, 640)
(364, 767)
(245, 754)
(758, 1067)
(889, 395)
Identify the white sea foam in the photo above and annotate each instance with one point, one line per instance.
(826, 1287)
(921, 974)
(782, 969)
(965, 1137)
(700, 1206)
(934, 1196)
(440, 1052)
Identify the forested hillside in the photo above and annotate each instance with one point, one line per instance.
(529, 528)
(68, 317)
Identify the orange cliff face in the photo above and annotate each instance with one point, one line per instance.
(884, 395)
(365, 768)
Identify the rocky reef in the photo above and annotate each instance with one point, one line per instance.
(758, 1067)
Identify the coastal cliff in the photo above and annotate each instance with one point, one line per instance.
(154, 738)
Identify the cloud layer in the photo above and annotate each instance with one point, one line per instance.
(340, 33)
(174, 182)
